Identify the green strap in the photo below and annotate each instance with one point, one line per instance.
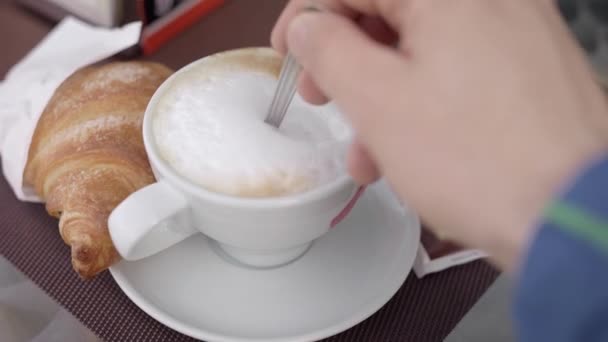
(580, 223)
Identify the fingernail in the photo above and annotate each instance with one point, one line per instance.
(299, 32)
(311, 8)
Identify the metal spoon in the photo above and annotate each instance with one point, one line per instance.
(286, 88)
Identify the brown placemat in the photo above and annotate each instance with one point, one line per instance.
(422, 310)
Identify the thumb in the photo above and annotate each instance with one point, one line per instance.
(348, 66)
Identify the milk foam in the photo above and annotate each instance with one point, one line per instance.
(211, 130)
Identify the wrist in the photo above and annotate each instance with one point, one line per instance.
(556, 183)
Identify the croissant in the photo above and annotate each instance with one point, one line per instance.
(87, 154)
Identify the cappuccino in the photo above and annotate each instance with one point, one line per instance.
(209, 126)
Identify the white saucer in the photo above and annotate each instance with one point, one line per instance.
(345, 277)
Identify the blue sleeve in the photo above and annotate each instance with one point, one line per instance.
(562, 291)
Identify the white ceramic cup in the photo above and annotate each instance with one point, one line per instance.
(260, 232)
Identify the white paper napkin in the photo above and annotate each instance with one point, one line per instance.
(29, 85)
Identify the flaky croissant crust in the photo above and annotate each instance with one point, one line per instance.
(87, 154)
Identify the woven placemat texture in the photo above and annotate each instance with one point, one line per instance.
(423, 310)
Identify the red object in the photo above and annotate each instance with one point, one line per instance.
(157, 33)
(349, 206)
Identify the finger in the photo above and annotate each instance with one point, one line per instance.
(391, 11)
(360, 165)
(309, 90)
(376, 29)
(295, 7)
(277, 36)
(349, 67)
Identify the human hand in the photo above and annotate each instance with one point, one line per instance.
(483, 112)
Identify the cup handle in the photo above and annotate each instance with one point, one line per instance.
(150, 220)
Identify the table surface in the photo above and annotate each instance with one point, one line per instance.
(422, 310)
